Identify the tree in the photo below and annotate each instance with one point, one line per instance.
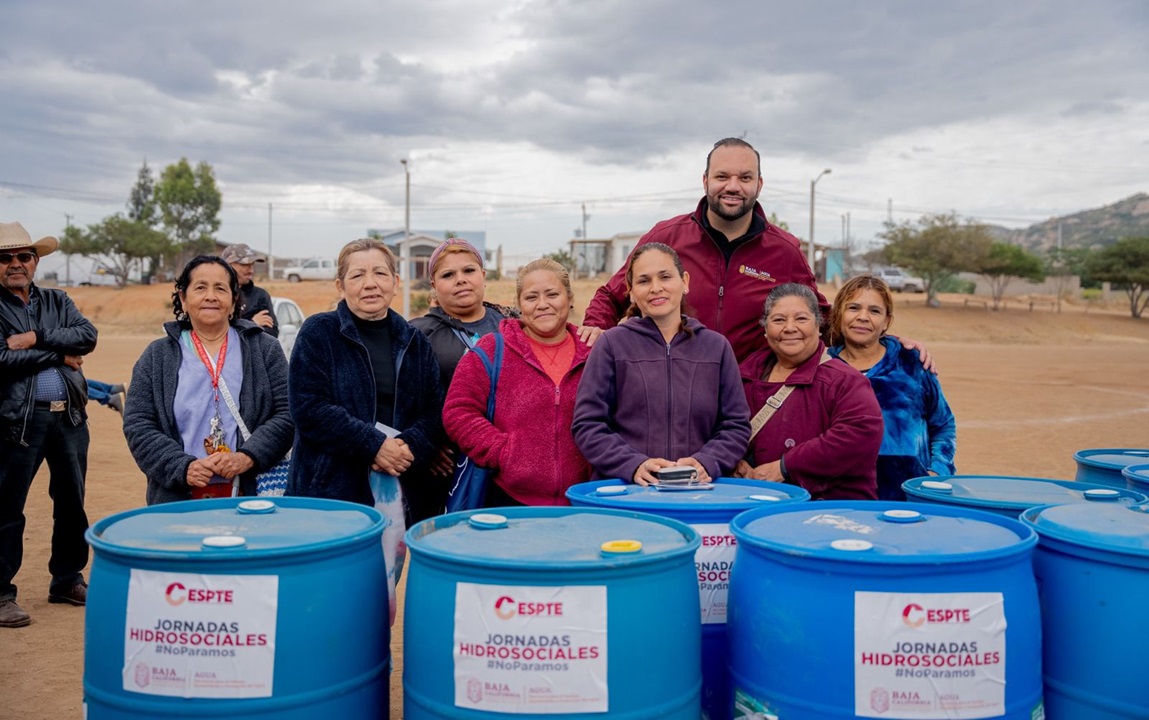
(1062, 264)
(773, 220)
(142, 201)
(1005, 262)
(1126, 265)
(562, 257)
(935, 247)
(189, 204)
(117, 244)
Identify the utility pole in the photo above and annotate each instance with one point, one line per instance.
(270, 257)
(405, 251)
(585, 217)
(890, 210)
(810, 257)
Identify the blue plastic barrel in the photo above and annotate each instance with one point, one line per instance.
(238, 608)
(1138, 477)
(849, 609)
(1092, 565)
(709, 511)
(1103, 466)
(533, 612)
(1010, 496)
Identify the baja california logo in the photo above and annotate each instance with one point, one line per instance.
(474, 690)
(879, 700)
(143, 675)
(755, 273)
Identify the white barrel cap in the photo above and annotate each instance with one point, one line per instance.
(224, 542)
(938, 486)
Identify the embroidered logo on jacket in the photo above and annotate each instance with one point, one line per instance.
(760, 274)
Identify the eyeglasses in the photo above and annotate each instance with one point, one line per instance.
(24, 257)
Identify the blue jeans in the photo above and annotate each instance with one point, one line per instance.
(52, 437)
(99, 391)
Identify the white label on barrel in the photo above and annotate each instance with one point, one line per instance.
(713, 560)
(929, 655)
(200, 636)
(530, 649)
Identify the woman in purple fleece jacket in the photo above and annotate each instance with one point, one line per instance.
(660, 389)
(826, 433)
(529, 445)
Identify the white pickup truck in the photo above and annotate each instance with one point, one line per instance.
(899, 281)
(314, 269)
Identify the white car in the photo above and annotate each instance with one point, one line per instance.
(899, 281)
(314, 269)
(290, 318)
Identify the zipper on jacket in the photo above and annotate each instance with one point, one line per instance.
(669, 400)
(29, 400)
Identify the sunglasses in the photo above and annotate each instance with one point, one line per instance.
(24, 257)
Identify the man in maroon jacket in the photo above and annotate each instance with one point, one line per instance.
(734, 256)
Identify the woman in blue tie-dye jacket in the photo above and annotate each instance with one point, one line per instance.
(920, 430)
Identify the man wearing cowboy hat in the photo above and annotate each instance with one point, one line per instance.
(43, 339)
(255, 302)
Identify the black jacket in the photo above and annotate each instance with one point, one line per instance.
(332, 399)
(440, 328)
(254, 299)
(60, 330)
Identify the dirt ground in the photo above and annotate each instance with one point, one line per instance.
(1029, 388)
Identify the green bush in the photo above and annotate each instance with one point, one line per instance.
(1091, 294)
(954, 284)
(420, 303)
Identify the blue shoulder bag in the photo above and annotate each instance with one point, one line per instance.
(469, 484)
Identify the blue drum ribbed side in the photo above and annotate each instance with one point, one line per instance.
(702, 510)
(1011, 496)
(331, 636)
(1138, 477)
(1104, 466)
(849, 609)
(1092, 564)
(468, 578)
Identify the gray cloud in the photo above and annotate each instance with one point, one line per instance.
(335, 92)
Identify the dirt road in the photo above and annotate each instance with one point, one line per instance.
(1028, 389)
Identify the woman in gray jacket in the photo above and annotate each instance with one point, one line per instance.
(180, 425)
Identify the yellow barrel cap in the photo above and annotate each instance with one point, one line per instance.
(621, 547)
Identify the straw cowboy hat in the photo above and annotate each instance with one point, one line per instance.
(13, 236)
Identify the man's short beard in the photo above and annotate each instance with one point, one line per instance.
(715, 206)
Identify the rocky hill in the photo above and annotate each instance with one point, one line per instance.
(1089, 228)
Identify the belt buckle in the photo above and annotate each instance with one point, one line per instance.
(57, 406)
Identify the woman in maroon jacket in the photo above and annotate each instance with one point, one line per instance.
(529, 445)
(827, 429)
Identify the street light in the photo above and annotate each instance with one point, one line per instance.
(810, 250)
(405, 250)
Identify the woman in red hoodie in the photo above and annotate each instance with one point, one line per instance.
(528, 445)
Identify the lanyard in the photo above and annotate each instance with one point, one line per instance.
(216, 371)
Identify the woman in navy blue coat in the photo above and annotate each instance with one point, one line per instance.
(364, 388)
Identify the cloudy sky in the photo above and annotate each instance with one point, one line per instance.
(516, 114)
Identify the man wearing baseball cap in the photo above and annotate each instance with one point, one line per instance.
(255, 302)
(43, 341)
